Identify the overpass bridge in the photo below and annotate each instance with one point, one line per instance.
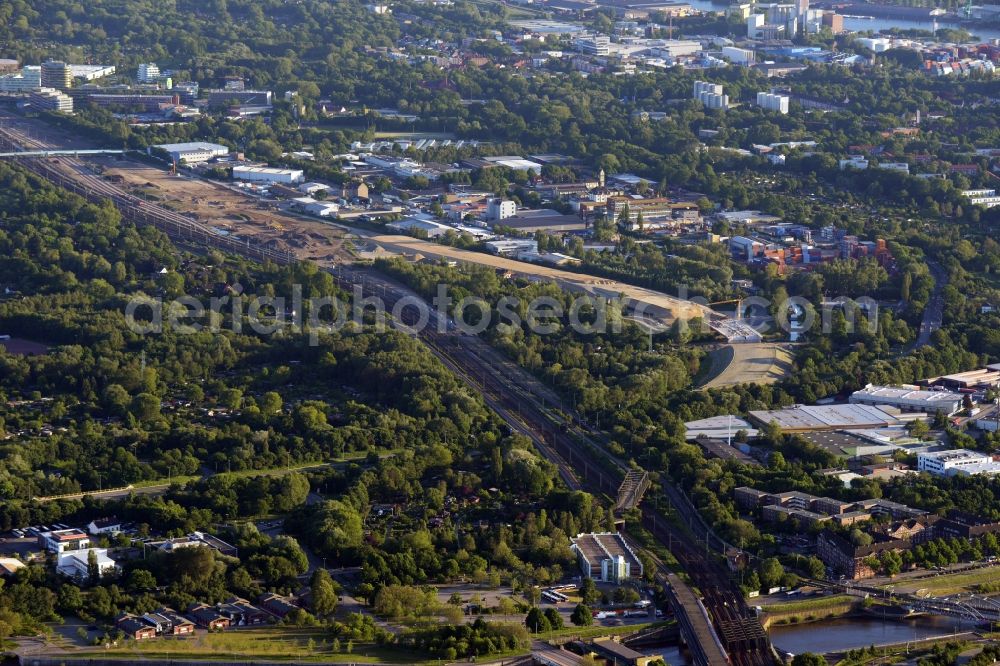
(981, 610)
(63, 153)
(695, 624)
(633, 487)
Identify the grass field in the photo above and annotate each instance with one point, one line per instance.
(595, 630)
(271, 643)
(647, 541)
(951, 583)
(152, 483)
(805, 605)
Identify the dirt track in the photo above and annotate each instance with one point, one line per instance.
(666, 307)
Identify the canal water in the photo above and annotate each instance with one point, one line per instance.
(863, 23)
(856, 632)
(841, 634)
(671, 655)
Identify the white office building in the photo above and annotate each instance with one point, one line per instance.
(739, 56)
(760, 27)
(854, 162)
(29, 79)
(606, 556)
(49, 99)
(673, 48)
(268, 175)
(956, 461)
(148, 72)
(598, 45)
(76, 564)
(772, 102)
(311, 206)
(91, 72)
(193, 152)
(500, 209)
(895, 166)
(908, 399)
(63, 541)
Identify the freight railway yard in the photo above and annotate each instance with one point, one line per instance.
(718, 628)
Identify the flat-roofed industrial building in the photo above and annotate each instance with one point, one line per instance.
(267, 175)
(194, 152)
(908, 398)
(806, 418)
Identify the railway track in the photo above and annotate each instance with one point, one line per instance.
(510, 390)
(507, 388)
(75, 176)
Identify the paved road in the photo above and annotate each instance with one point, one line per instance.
(934, 312)
(116, 493)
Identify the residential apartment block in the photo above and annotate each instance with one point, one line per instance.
(773, 102)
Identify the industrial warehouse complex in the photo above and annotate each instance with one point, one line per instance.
(266, 175)
(909, 399)
(194, 152)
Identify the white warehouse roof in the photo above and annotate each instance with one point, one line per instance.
(956, 455)
(267, 170)
(193, 147)
(266, 174)
(804, 418)
(909, 398)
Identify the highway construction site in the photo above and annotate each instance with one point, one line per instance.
(228, 212)
(228, 218)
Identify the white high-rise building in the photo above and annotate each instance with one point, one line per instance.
(711, 95)
(786, 15)
(702, 87)
(773, 102)
(148, 73)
